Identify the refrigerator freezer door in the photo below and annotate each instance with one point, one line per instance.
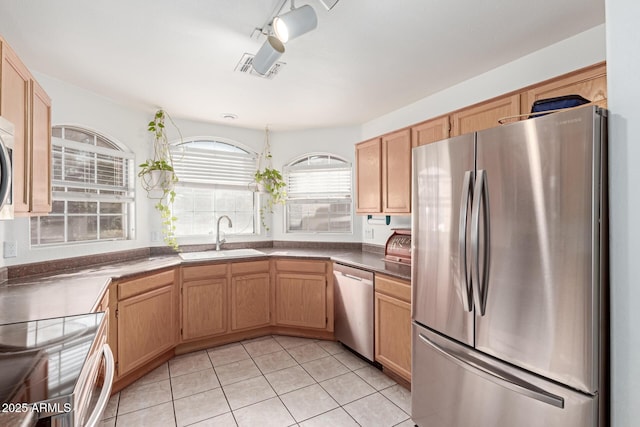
(441, 198)
(455, 386)
(542, 314)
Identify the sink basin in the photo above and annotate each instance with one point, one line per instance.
(223, 254)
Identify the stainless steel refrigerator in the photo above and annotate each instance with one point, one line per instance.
(509, 275)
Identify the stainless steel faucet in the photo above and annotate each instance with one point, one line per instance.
(218, 241)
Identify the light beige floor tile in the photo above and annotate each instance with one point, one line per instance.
(112, 407)
(201, 406)
(189, 363)
(331, 347)
(307, 353)
(197, 382)
(375, 377)
(375, 410)
(308, 402)
(224, 420)
(237, 371)
(274, 361)
(406, 423)
(262, 347)
(160, 415)
(325, 368)
(144, 396)
(291, 342)
(248, 392)
(269, 413)
(351, 361)
(158, 374)
(336, 418)
(227, 354)
(109, 422)
(400, 396)
(347, 388)
(289, 379)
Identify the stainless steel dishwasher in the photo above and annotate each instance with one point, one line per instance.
(354, 309)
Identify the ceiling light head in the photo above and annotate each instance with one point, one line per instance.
(295, 23)
(268, 54)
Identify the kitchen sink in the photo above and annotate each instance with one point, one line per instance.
(222, 254)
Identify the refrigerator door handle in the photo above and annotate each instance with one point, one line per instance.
(481, 194)
(495, 375)
(464, 282)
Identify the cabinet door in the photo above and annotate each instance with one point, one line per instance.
(396, 172)
(485, 115)
(146, 327)
(430, 131)
(301, 300)
(393, 334)
(250, 304)
(590, 83)
(204, 308)
(368, 177)
(14, 106)
(40, 150)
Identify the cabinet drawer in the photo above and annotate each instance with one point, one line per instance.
(392, 287)
(249, 267)
(204, 271)
(301, 266)
(144, 284)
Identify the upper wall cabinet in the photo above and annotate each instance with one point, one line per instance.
(430, 131)
(396, 172)
(25, 104)
(369, 176)
(383, 174)
(485, 115)
(590, 83)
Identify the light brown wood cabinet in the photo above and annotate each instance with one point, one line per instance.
(146, 319)
(250, 295)
(392, 320)
(484, 115)
(369, 176)
(204, 301)
(396, 172)
(430, 131)
(25, 104)
(303, 296)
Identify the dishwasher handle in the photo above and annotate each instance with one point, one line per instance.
(353, 273)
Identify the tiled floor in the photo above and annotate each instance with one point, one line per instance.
(269, 381)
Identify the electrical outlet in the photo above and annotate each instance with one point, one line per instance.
(156, 236)
(10, 249)
(368, 233)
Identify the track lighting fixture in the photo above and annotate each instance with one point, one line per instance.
(268, 54)
(294, 23)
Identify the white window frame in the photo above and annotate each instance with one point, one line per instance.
(216, 173)
(337, 195)
(72, 191)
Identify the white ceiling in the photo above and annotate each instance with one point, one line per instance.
(365, 59)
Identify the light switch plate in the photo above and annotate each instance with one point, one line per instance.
(10, 249)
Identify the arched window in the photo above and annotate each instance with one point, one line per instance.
(214, 179)
(319, 194)
(93, 190)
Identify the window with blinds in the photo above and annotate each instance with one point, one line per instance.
(214, 179)
(319, 195)
(93, 190)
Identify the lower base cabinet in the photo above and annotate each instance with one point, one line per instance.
(204, 301)
(250, 295)
(146, 320)
(393, 325)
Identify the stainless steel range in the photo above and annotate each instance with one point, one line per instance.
(57, 371)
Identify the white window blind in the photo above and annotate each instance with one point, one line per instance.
(319, 190)
(213, 163)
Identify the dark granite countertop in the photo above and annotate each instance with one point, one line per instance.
(79, 291)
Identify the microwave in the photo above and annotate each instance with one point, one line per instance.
(6, 171)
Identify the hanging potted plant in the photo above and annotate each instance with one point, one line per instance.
(269, 180)
(158, 177)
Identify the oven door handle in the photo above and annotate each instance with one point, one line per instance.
(105, 394)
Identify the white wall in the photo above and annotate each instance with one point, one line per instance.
(568, 55)
(623, 69)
